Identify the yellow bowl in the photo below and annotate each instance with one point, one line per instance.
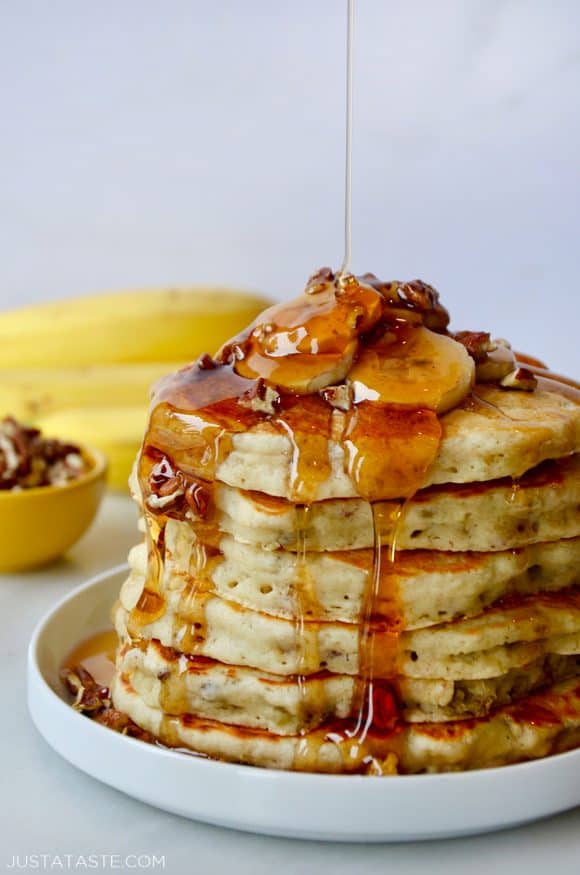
(39, 525)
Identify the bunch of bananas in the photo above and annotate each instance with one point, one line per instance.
(81, 370)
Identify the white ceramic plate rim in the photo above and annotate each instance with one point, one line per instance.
(293, 804)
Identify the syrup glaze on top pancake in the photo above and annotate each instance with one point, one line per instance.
(357, 390)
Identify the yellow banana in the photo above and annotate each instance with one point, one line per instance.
(133, 326)
(116, 431)
(428, 370)
(34, 393)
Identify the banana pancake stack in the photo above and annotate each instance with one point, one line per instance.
(361, 548)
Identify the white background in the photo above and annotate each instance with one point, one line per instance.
(148, 143)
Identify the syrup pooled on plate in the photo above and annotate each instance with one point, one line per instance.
(96, 655)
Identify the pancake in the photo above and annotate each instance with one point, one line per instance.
(165, 679)
(505, 636)
(444, 700)
(429, 587)
(542, 724)
(362, 535)
(541, 506)
(495, 434)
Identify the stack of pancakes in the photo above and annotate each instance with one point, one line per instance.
(362, 545)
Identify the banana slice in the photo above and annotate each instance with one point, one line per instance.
(310, 343)
(413, 367)
(500, 362)
(303, 374)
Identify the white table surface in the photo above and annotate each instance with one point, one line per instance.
(55, 810)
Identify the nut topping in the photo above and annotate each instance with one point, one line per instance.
(477, 343)
(198, 498)
(520, 378)
(29, 460)
(415, 297)
(339, 397)
(495, 360)
(156, 502)
(261, 398)
(119, 722)
(319, 281)
(89, 696)
(167, 487)
(206, 363)
(232, 352)
(95, 701)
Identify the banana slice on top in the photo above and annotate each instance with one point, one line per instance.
(311, 342)
(413, 367)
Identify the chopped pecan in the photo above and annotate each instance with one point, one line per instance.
(420, 295)
(89, 696)
(206, 363)
(319, 280)
(198, 498)
(157, 502)
(28, 460)
(520, 378)
(339, 396)
(477, 343)
(415, 297)
(170, 487)
(235, 350)
(261, 398)
(424, 299)
(162, 471)
(166, 485)
(95, 702)
(119, 722)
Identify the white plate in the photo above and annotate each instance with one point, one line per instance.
(334, 807)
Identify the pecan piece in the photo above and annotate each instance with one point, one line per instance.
(27, 459)
(198, 498)
(424, 299)
(415, 297)
(89, 696)
(94, 701)
(235, 350)
(164, 502)
(520, 378)
(206, 363)
(166, 486)
(261, 398)
(119, 722)
(339, 396)
(477, 343)
(319, 280)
